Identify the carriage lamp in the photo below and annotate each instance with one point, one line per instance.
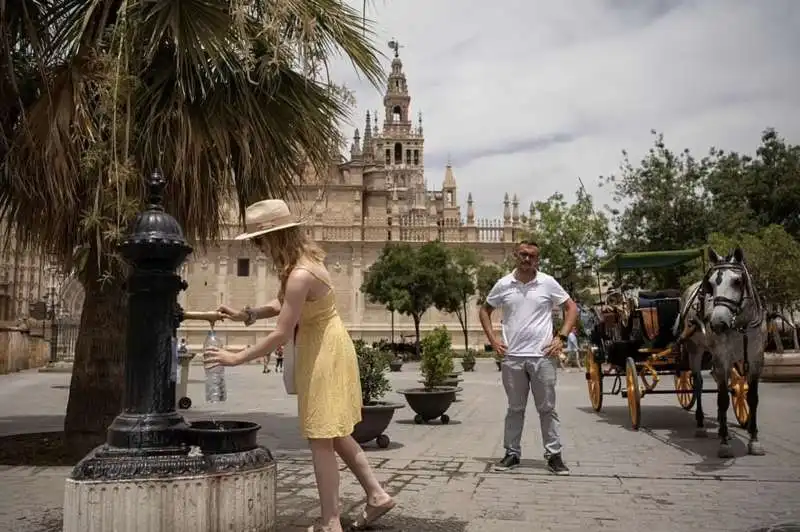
(557, 273)
(587, 269)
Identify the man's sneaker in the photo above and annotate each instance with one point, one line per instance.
(509, 461)
(556, 465)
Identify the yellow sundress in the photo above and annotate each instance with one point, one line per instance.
(326, 370)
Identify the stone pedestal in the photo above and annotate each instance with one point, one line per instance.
(218, 493)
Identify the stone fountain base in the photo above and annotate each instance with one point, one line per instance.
(204, 490)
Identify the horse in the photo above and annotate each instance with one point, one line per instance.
(722, 314)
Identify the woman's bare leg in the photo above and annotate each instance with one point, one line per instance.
(326, 471)
(356, 460)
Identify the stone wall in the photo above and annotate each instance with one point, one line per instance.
(19, 350)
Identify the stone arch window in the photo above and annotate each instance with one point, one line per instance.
(397, 113)
(398, 153)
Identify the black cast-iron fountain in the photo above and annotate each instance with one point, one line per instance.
(150, 444)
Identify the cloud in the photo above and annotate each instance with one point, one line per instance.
(528, 96)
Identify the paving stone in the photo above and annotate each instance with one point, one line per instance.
(658, 479)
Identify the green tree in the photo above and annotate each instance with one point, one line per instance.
(772, 256)
(407, 279)
(228, 98)
(486, 275)
(569, 235)
(458, 286)
(753, 193)
(666, 206)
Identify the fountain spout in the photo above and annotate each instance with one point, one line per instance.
(211, 316)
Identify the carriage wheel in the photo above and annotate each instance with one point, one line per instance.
(594, 380)
(739, 387)
(684, 386)
(633, 392)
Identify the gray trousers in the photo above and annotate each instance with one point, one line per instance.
(539, 375)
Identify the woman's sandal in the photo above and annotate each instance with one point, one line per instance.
(373, 513)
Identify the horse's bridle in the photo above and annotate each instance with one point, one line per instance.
(734, 306)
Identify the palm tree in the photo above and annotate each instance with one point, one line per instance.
(229, 98)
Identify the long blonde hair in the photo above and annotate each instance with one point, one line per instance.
(288, 247)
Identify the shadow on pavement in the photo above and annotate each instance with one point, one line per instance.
(675, 427)
(26, 444)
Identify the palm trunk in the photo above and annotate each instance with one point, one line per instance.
(95, 393)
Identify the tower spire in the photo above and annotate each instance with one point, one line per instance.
(397, 101)
(367, 136)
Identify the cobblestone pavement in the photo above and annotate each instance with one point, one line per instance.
(660, 478)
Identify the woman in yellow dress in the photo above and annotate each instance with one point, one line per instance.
(326, 369)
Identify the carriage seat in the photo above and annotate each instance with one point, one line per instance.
(648, 299)
(657, 321)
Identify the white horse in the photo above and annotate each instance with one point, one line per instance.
(723, 315)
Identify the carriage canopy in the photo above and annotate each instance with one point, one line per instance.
(651, 260)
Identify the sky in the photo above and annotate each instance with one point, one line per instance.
(529, 97)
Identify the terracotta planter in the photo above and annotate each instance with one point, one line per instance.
(375, 418)
(396, 365)
(468, 366)
(430, 404)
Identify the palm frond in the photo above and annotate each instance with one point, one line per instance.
(229, 98)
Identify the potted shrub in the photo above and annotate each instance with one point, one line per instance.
(435, 397)
(396, 362)
(393, 356)
(375, 414)
(468, 360)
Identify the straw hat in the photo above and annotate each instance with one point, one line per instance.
(267, 216)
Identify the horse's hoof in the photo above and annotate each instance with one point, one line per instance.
(725, 451)
(754, 448)
(701, 433)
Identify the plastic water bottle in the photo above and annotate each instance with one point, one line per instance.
(215, 377)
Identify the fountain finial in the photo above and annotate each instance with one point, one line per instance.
(155, 193)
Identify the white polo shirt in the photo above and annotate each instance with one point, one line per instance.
(527, 312)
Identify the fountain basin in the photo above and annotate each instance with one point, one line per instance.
(218, 437)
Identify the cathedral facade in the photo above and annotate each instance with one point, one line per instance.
(379, 195)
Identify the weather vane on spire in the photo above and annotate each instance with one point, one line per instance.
(395, 45)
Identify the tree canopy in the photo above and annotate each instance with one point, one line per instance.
(458, 286)
(406, 279)
(569, 236)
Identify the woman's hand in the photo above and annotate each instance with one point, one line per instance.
(214, 356)
(231, 314)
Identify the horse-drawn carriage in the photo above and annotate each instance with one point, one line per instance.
(634, 337)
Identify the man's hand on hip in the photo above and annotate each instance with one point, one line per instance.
(499, 347)
(554, 348)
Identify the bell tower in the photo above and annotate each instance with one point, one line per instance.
(399, 147)
(397, 101)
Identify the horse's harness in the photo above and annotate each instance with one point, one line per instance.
(736, 307)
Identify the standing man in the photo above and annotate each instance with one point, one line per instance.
(527, 297)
